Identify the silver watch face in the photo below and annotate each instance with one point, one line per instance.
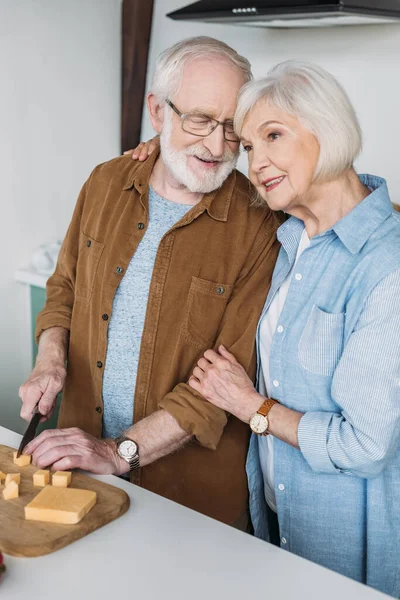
(127, 449)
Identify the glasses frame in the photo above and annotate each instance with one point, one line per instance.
(183, 117)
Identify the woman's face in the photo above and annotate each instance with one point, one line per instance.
(282, 156)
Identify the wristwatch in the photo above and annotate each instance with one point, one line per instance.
(259, 421)
(129, 451)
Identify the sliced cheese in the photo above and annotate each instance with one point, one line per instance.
(60, 505)
(23, 460)
(61, 478)
(11, 491)
(41, 478)
(13, 477)
(2, 477)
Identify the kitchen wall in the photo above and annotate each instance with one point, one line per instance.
(365, 59)
(60, 111)
(59, 117)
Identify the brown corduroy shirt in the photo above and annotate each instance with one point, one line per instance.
(211, 276)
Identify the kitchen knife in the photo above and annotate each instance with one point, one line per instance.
(31, 430)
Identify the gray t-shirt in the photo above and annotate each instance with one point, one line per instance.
(128, 316)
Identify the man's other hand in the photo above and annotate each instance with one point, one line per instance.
(43, 385)
(144, 149)
(66, 449)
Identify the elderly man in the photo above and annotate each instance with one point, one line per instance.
(162, 260)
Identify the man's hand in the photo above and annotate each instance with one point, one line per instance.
(48, 377)
(44, 383)
(66, 449)
(144, 149)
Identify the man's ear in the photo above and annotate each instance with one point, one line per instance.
(156, 111)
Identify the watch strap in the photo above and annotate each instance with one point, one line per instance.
(266, 407)
(263, 411)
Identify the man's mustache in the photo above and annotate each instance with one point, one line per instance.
(200, 151)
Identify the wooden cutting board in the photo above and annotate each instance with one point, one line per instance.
(19, 537)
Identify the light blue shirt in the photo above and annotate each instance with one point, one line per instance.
(128, 316)
(336, 358)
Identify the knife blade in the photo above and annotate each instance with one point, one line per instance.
(30, 431)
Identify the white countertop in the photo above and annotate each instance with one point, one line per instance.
(159, 550)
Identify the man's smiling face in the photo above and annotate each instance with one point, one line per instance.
(208, 87)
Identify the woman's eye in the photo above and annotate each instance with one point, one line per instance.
(246, 148)
(274, 135)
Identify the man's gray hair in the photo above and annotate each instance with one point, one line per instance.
(319, 102)
(171, 62)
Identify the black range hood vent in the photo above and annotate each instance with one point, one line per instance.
(291, 13)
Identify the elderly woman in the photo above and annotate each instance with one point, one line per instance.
(324, 458)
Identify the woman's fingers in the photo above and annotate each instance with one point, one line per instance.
(198, 373)
(212, 356)
(194, 383)
(203, 363)
(226, 354)
(138, 151)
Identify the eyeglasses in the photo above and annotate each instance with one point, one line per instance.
(202, 125)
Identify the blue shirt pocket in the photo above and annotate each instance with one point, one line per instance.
(321, 343)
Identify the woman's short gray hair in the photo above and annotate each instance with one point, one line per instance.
(171, 62)
(317, 99)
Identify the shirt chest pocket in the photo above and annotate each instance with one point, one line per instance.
(205, 307)
(90, 252)
(321, 343)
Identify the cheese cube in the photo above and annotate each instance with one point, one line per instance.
(13, 477)
(2, 477)
(60, 505)
(23, 460)
(11, 491)
(41, 478)
(61, 478)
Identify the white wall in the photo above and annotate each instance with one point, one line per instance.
(366, 59)
(59, 117)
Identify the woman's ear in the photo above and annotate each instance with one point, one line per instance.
(156, 111)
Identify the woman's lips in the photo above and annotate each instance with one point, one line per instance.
(271, 184)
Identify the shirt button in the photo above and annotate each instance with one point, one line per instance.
(88, 243)
(119, 270)
(220, 290)
(281, 487)
(104, 317)
(99, 409)
(283, 540)
(275, 383)
(140, 225)
(279, 329)
(99, 364)
(298, 276)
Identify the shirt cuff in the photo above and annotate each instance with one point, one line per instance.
(195, 415)
(44, 323)
(312, 435)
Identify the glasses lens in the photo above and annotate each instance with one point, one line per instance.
(229, 132)
(202, 125)
(198, 124)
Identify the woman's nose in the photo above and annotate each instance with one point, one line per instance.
(258, 161)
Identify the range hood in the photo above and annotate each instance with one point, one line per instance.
(291, 13)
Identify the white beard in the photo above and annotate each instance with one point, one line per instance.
(176, 163)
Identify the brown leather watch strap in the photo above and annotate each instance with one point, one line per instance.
(266, 406)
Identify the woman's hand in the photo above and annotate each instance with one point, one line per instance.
(144, 149)
(221, 380)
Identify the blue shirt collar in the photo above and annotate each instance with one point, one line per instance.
(355, 228)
